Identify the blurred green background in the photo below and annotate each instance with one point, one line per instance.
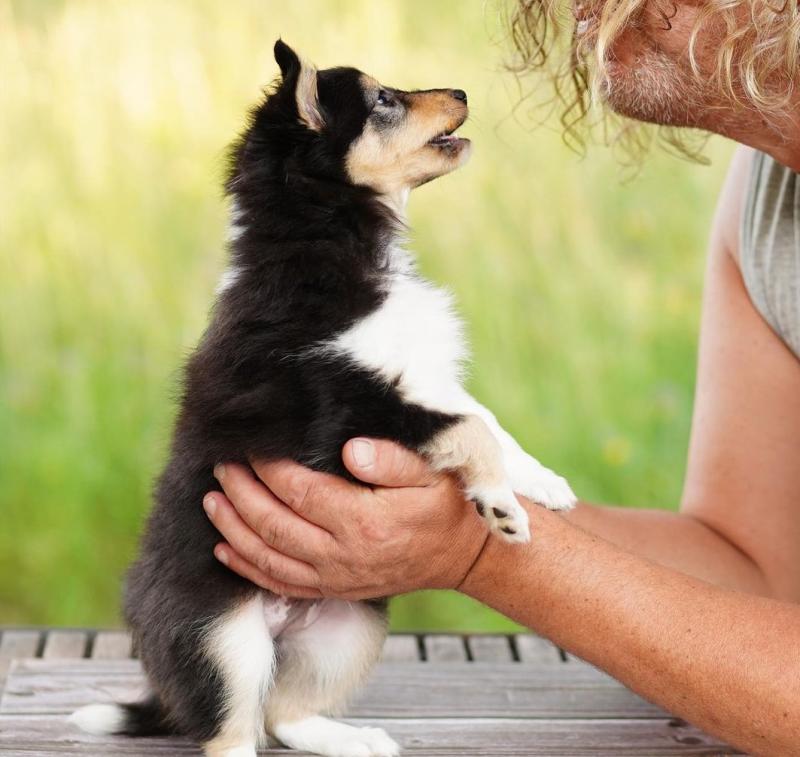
(581, 291)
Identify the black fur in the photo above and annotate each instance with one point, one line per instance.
(146, 718)
(311, 260)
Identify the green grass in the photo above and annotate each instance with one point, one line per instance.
(581, 292)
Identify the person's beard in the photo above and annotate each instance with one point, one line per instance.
(656, 89)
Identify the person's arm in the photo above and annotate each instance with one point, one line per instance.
(727, 661)
(676, 540)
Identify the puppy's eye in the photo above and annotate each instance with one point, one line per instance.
(385, 98)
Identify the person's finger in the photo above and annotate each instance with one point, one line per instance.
(384, 463)
(321, 498)
(272, 520)
(229, 558)
(248, 545)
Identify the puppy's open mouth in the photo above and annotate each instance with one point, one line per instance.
(448, 139)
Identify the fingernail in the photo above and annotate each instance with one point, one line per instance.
(219, 471)
(221, 555)
(363, 453)
(209, 504)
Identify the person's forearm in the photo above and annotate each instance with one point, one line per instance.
(726, 661)
(675, 540)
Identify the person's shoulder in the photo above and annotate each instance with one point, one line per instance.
(742, 161)
(728, 217)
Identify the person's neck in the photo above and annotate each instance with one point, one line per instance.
(786, 155)
(781, 142)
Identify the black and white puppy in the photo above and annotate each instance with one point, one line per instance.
(322, 331)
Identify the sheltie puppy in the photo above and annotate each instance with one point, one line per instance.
(322, 331)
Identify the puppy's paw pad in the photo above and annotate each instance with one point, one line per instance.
(503, 514)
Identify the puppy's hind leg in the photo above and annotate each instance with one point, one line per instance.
(319, 667)
(242, 651)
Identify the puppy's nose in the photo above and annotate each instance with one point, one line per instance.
(459, 94)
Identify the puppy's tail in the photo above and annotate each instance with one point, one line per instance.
(144, 718)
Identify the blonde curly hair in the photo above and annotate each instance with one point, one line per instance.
(754, 62)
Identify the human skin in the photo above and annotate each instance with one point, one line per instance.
(696, 610)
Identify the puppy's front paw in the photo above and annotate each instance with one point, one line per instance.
(504, 515)
(535, 482)
(551, 490)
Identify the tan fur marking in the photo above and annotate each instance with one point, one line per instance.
(434, 106)
(401, 158)
(221, 747)
(469, 449)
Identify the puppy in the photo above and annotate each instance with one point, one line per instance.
(322, 331)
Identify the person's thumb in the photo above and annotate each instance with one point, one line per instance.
(384, 463)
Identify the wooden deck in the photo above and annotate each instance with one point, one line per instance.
(510, 696)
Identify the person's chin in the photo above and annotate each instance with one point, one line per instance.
(624, 101)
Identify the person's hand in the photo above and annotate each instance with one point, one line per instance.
(301, 533)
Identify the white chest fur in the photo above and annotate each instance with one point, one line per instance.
(414, 337)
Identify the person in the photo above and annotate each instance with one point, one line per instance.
(695, 610)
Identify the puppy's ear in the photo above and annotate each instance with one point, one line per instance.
(287, 60)
(302, 77)
(308, 107)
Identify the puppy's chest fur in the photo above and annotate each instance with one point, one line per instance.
(413, 339)
(313, 344)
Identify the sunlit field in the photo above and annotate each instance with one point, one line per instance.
(581, 291)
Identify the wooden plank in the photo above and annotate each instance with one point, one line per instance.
(49, 736)
(535, 649)
(401, 647)
(65, 644)
(14, 644)
(111, 645)
(474, 689)
(445, 648)
(486, 648)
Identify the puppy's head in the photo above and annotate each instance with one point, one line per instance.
(341, 123)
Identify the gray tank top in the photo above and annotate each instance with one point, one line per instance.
(769, 249)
